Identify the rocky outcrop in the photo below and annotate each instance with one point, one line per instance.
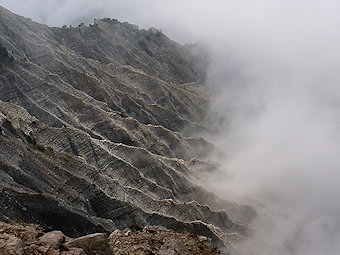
(94, 128)
(135, 240)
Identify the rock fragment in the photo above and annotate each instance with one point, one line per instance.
(174, 247)
(94, 244)
(74, 251)
(52, 239)
(10, 245)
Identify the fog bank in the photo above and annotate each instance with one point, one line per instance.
(275, 70)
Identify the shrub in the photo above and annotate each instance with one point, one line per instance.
(33, 142)
(39, 147)
(3, 52)
(30, 139)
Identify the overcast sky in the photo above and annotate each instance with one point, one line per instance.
(276, 66)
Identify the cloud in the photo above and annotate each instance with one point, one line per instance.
(275, 66)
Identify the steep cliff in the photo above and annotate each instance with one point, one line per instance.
(95, 124)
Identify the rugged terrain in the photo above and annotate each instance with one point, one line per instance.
(95, 128)
(32, 239)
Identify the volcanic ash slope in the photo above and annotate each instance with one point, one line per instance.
(92, 131)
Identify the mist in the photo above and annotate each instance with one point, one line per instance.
(275, 73)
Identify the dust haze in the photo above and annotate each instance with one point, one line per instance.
(275, 70)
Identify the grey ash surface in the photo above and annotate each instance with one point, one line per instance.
(94, 131)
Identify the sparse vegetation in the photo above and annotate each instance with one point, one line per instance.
(157, 32)
(4, 54)
(40, 147)
(31, 140)
(129, 26)
(48, 151)
(144, 47)
(111, 21)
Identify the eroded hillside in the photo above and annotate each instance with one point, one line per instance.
(95, 131)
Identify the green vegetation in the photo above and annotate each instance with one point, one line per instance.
(48, 151)
(34, 144)
(30, 140)
(40, 147)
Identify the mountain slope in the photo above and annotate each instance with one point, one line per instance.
(94, 131)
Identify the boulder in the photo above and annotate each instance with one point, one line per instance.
(94, 244)
(29, 234)
(52, 239)
(25, 233)
(10, 245)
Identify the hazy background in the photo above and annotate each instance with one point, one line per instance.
(275, 66)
